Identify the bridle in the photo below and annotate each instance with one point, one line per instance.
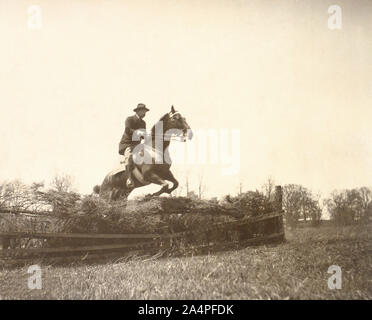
(172, 137)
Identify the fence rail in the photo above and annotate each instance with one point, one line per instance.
(249, 231)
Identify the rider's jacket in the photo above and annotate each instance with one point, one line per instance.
(132, 124)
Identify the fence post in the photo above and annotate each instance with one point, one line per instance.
(279, 198)
(279, 208)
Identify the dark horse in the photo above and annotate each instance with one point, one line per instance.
(114, 186)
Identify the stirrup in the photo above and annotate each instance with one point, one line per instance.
(130, 183)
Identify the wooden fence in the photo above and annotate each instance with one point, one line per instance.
(254, 230)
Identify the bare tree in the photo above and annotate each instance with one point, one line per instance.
(62, 183)
(58, 198)
(179, 191)
(291, 203)
(347, 206)
(5, 194)
(268, 189)
(299, 202)
(240, 188)
(18, 197)
(15, 196)
(366, 202)
(201, 186)
(187, 183)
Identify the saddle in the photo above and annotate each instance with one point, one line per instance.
(136, 172)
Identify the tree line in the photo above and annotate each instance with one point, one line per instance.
(56, 198)
(299, 203)
(342, 206)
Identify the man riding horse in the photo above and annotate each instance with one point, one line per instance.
(127, 143)
(142, 161)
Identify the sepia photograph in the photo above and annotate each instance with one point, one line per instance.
(186, 155)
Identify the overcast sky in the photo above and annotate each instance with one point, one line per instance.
(299, 93)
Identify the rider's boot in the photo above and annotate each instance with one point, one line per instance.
(128, 169)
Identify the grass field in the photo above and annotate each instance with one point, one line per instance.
(296, 269)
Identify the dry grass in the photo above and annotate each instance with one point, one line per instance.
(296, 269)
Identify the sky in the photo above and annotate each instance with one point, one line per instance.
(298, 92)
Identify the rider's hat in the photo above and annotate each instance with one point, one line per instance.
(141, 106)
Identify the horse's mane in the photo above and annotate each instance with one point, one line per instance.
(163, 118)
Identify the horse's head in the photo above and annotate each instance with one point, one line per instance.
(177, 121)
(175, 124)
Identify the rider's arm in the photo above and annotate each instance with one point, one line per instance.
(144, 131)
(128, 127)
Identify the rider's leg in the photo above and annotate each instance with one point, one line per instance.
(129, 168)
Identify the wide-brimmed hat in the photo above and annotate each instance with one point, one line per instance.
(141, 106)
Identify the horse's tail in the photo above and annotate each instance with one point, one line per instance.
(96, 189)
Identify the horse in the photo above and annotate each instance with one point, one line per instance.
(173, 125)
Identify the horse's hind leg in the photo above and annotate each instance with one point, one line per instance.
(114, 194)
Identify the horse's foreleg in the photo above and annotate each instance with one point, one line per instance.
(170, 177)
(154, 178)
